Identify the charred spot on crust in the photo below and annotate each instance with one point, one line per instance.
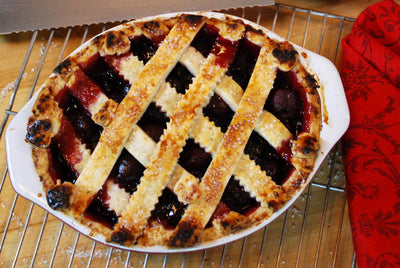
(58, 196)
(185, 236)
(121, 236)
(234, 222)
(63, 68)
(234, 25)
(36, 133)
(96, 40)
(251, 29)
(311, 141)
(297, 183)
(44, 98)
(151, 25)
(310, 145)
(306, 150)
(116, 42)
(155, 29)
(110, 39)
(285, 55)
(311, 82)
(274, 204)
(193, 19)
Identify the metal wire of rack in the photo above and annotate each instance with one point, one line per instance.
(314, 232)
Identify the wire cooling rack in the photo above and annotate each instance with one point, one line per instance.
(314, 231)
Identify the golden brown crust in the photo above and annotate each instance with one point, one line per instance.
(173, 37)
(45, 120)
(41, 162)
(105, 113)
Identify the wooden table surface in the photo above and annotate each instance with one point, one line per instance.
(314, 231)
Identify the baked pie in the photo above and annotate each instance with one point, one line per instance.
(176, 130)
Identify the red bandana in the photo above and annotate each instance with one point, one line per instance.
(371, 78)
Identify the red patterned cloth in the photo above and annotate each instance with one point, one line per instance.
(371, 78)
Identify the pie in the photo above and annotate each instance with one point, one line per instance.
(176, 130)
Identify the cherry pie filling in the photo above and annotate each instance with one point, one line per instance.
(287, 102)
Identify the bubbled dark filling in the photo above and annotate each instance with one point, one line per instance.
(285, 102)
(81, 121)
(143, 48)
(83, 126)
(112, 84)
(267, 158)
(242, 66)
(99, 211)
(194, 159)
(180, 78)
(59, 167)
(153, 122)
(127, 172)
(218, 111)
(237, 199)
(168, 211)
(205, 39)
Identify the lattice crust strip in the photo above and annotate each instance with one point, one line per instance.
(173, 38)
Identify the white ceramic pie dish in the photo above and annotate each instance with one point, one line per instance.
(26, 182)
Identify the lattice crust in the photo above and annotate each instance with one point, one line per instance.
(204, 215)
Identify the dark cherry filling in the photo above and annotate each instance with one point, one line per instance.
(76, 123)
(113, 85)
(220, 211)
(180, 78)
(92, 90)
(82, 122)
(59, 168)
(99, 211)
(153, 122)
(225, 51)
(143, 48)
(218, 111)
(168, 210)
(127, 172)
(194, 159)
(237, 199)
(244, 62)
(267, 158)
(205, 39)
(285, 102)
(65, 152)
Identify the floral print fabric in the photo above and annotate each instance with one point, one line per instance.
(371, 146)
